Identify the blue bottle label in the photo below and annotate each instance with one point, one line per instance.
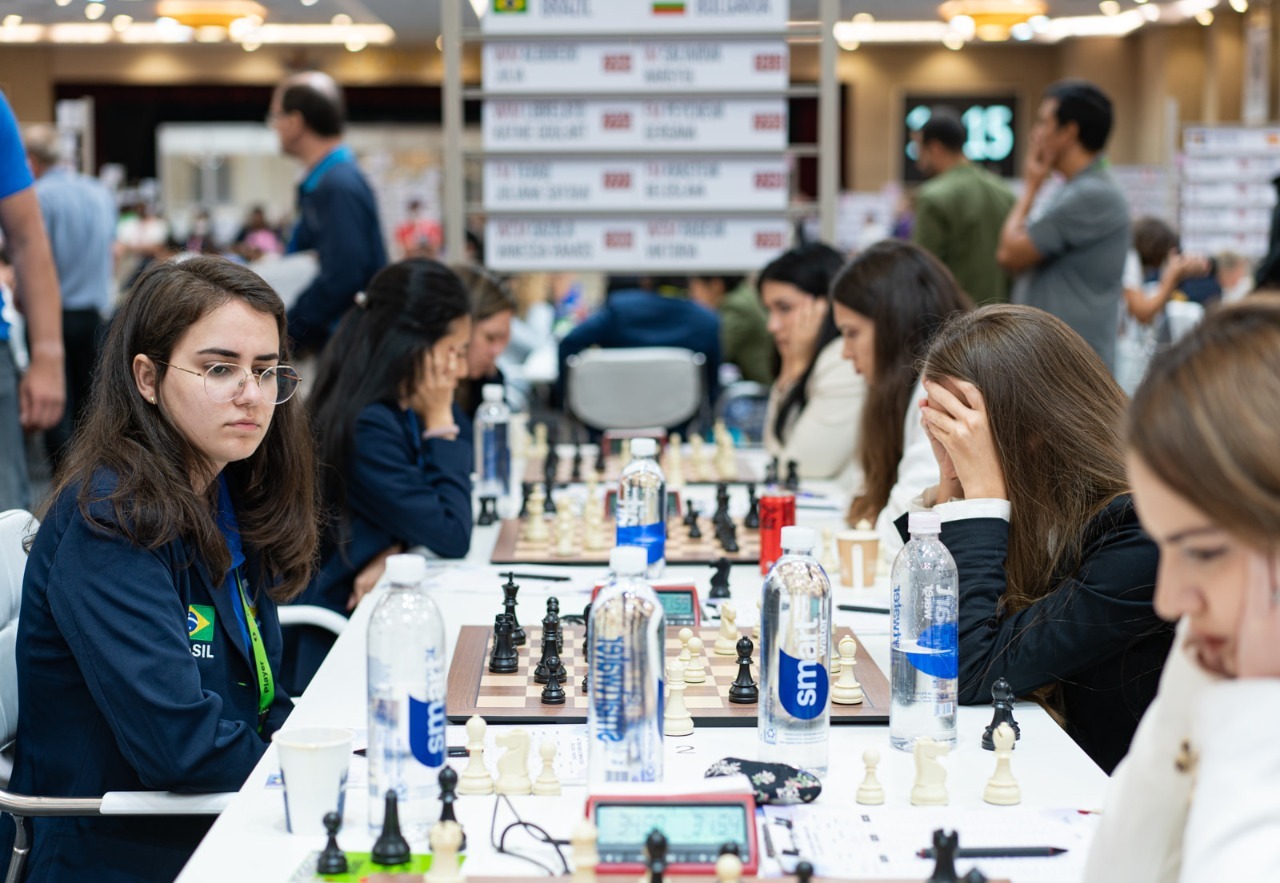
(652, 536)
(944, 661)
(426, 731)
(802, 686)
(608, 681)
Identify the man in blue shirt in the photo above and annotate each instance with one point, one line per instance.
(80, 219)
(337, 212)
(34, 402)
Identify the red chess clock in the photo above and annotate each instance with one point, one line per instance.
(696, 827)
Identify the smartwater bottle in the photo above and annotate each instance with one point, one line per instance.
(625, 674)
(924, 653)
(642, 505)
(493, 453)
(406, 699)
(795, 635)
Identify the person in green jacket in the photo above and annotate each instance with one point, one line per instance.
(744, 340)
(960, 209)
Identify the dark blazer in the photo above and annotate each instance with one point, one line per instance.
(123, 687)
(1096, 633)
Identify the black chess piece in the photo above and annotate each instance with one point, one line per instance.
(586, 645)
(504, 659)
(600, 448)
(722, 504)
(752, 521)
(730, 848)
(553, 611)
(1002, 713)
(793, 476)
(771, 473)
(974, 876)
(576, 475)
(526, 488)
(804, 872)
(332, 860)
(695, 532)
(390, 848)
(553, 693)
(549, 507)
(720, 579)
(690, 515)
(509, 592)
(727, 535)
(655, 855)
(944, 853)
(448, 780)
(488, 511)
(542, 674)
(743, 690)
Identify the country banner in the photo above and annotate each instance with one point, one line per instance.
(200, 619)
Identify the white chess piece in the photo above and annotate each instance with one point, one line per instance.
(698, 454)
(547, 785)
(728, 869)
(625, 458)
(445, 839)
(847, 690)
(475, 779)
(592, 486)
(830, 563)
(1002, 788)
(566, 531)
(870, 792)
(930, 788)
(695, 671)
(676, 720)
(536, 524)
(727, 640)
(685, 635)
(585, 854)
(593, 534)
(513, 766)
(673, 467)
(540, 449)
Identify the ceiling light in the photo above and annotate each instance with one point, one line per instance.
(209, 13)
(11, 21)
(1109, 7)
(964, 25)
(1205, 17)
(341, 20)
(356, 42)
(846, 34)
(1151, 12)
(211, 34)
(308, 2)
(94, 11)
(1240, 5)
(250, 45)
(863, 18)
(63, 2)
(993, 19)
(121, 22)
(1021, 31)
(954, 42)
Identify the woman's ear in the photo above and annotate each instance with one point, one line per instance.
(145, 377)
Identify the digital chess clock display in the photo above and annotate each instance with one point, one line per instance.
(694, 832)
(679, 605)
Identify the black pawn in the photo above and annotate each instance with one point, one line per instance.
(553, 693)
(526, 488)
(944, 853)
(771, 473)
(586, 645)
(504, 659)
(488, 511)
(655, 854)
(600, 456)
(509, 592)
(448, 780)
(793, 476)
(332, 860)
(804, 872)
(695, 532)
(752, 520)
(576, 475)
(720, 579)
(690, 516)
(1002, 713)
(390, 848)
(974, 876)
(743, 691)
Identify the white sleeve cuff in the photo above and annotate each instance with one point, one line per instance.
(959, 510)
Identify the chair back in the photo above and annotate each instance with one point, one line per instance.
(15, 526)
(742, 406)
(635, 388)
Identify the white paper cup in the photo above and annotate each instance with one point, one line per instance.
(313, 765)
(859, 552)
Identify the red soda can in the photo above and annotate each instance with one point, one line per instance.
(777, 510)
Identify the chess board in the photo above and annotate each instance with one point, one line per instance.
(517, 698)
(514, 547)
(748, 470)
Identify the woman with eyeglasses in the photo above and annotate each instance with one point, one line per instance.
(148, 647)
(395, 474)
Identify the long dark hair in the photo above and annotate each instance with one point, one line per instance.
(907, 293)
(376, 355)
(810, 268)
(153, 499)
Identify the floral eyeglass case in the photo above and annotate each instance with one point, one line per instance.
(773, 782)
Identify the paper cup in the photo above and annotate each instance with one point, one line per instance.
(859, 552)
(313, 765)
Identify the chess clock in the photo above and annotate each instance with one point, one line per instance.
(695, 827)
(679, 603)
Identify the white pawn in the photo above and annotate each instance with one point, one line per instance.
(585, 854)
(930, 788)
(694, 670)
(475, 779)
(727, 639)
(676, 720)
(830, 563)
(847, 690)
(686, 654)
(698, 453)
(565, 531)
(870, 792)
(547, 785)
(593, 535)
(728, 868)
(540, 449)
(535, 524)
(1003, 789)
(445, 840)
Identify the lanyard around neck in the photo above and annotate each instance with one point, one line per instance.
(262, 665)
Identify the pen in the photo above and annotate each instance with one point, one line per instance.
(1000, 852)
(857, 608)
(543, 576)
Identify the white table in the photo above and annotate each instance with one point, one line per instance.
(249, 841)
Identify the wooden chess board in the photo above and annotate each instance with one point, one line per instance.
(514, 547)
(748, 470)
(517, 698)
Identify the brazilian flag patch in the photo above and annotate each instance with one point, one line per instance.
(510, 5)
(200, 620)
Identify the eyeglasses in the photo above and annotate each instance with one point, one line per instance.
(223, 381)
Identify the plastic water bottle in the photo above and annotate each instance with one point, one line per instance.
(641, 512)
(406, 699)
(625, 675)
(924, 656)
(795, 636)
(493, 453)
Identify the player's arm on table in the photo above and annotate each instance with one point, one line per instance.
(369, 575)
(119, 611)
(420, 506)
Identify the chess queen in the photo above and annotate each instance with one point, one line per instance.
(148, 649)
(1195, 799)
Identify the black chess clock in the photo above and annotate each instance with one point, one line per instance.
(696, 827)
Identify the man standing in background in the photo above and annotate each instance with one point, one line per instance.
(337, 212)
(960, 209)
(80, 220)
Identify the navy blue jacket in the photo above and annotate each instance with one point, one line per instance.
(132, 676)
(338, 218)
